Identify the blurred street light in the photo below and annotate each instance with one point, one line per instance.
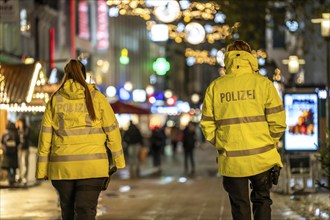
(195, 98)
(325, 24)
(150, 90)
(128, 86)
(293, 67)
(293, 64)
(111, 91)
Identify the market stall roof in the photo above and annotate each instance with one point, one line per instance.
(125, 108)
(17, 82)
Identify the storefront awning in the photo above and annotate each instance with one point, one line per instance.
(17, 82)
(124, 108)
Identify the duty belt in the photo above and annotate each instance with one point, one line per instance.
(239, 153)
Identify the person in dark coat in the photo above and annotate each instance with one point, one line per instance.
(176, 136)
(134, 142)
(9, 142)
(189, 139)
(157, 140)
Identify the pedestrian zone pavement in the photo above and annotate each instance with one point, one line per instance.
(169, 195)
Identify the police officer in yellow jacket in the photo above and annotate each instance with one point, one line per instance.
(243, 117)
(77, 126)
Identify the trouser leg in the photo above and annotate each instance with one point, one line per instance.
(174, 147)
(156, 157)
(78, 198)
(238, 191)
(66, 192)
(192, 161)
(20, 163)
(186, 161)
(134, 160)
(26, 156)
(11, 175)
(24, 164)
(86, 198)
(260, 195)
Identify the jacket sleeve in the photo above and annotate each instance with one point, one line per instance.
(275, 113)
(207, 122)
(44, 143)
(111, 129)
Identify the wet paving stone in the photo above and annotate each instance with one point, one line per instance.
(167, 196)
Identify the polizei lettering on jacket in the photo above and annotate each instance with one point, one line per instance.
(237, 95)
(71, 107)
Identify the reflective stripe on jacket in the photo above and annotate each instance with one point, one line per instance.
(243, 117)
(71, 145)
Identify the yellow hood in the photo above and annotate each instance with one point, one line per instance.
(240, 61)
(74, 90)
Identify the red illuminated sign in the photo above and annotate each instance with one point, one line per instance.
(84, 32)
(72, 28)
(102, 35)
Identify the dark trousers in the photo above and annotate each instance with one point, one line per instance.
(238, 191)
(174, 147)
(11, 175)
(189, 158)
(78, 198)
(156, 156)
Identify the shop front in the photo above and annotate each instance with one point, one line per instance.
(23, 93)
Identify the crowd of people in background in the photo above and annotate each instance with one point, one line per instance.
(15, 147)
(180, 144)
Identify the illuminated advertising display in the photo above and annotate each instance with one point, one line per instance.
(302, 122)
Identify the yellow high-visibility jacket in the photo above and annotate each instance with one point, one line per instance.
(71, 145)
(243, 117)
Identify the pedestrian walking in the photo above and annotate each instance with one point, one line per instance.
(77, 126)
(176, 137)
(157, 141)
(243, 117)
(189, 141)
(134, 141)
(9, 142)
(23, 149)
